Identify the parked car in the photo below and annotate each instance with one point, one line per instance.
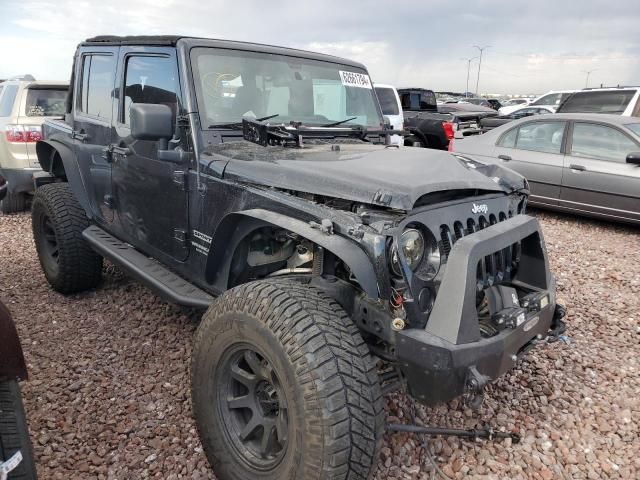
(582, 163)
(391, 108)
(24, 104)
(489, 123)
(16, 453)
(494, 103)
(549, 100)
(623, 101)
(483, 102)
(277, 206)
(515, 101)
(433, 126)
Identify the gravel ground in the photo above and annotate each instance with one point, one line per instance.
(109, 398)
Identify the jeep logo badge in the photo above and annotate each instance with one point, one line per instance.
(479, 208)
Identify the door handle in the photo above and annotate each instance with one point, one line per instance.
(504, 158)
(580, 168)
(79, 135)
(118, 150)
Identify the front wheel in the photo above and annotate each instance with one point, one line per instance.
(284, 387)
(15, 446)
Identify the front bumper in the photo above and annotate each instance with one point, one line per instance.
(20, 180)
(449, 355)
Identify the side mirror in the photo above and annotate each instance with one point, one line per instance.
(151, 121)
(634, 157)
(387, 123)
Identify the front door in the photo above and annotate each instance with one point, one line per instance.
(93, 113)
(596, 176)
(534, 150)
(150, 195)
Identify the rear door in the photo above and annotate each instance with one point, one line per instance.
(535, 150)
(93, 115)
(150, 194)
(596, 176)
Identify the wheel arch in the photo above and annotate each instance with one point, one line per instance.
(235, 227)
(61, 162)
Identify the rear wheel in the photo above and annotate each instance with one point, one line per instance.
(284, 386)
(14, 433)
(13, 203)
(58, 221)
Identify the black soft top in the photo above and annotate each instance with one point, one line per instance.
(172, 40)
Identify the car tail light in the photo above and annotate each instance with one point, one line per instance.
(448, 129)
(450, 147)
(23, 133)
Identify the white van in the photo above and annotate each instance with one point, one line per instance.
(391, 108)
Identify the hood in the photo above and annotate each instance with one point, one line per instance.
(372, 174)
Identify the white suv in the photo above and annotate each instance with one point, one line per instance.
(24, 105)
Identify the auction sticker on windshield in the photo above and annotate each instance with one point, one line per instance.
(353, 79)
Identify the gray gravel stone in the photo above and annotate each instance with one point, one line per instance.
(108, 395)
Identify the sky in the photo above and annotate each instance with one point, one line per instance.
(534, 46)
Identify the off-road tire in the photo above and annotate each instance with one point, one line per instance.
(58, 217)
(13, 203)
(327, 377)
(14, 433)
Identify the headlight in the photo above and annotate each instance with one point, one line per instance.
(412, 245)
(416, 249)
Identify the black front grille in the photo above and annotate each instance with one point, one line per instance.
(496, 268)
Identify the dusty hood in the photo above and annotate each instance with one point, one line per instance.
(361, 172)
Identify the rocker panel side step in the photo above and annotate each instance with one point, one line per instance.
(149, 272)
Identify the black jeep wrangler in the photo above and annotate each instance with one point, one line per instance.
(258, 182)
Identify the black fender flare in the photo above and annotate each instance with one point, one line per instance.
(69, 170)
(234, 227)
(12, 364)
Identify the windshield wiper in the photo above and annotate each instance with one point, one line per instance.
(238, 125)
(340, 122)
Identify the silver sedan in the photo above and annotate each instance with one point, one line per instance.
(582, 163)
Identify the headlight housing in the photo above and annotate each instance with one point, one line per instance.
(420, 251)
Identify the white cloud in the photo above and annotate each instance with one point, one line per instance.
(404, 43)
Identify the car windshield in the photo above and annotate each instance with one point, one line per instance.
(233, 84)
(634, 127)
(45, 102)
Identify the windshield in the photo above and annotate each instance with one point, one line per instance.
(634, 127)
(45, 102)
(231, 84)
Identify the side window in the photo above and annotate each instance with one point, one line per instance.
(541, 137)
(96, 90)
(601, 142)
(405, 101)
(7, 99)
(508, 140)
(150, 80)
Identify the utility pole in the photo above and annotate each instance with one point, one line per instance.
(588, 72)
(468, 60)
(480, 65)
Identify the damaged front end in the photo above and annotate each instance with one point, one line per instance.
(472, 292)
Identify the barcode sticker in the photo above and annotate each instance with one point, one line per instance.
(10, 465)
(353, 79)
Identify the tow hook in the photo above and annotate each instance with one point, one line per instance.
(476, 434)
(474, 388)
